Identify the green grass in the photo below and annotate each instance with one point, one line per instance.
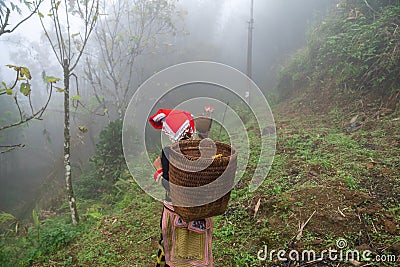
(121, 228)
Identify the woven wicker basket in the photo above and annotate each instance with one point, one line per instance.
(194, 179)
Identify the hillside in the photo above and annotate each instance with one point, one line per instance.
(353, 55)
(350, 179)
(334, 183)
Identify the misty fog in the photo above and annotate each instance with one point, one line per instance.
(206, 30)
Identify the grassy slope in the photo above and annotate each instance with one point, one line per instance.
(351, 180)
(348, 176)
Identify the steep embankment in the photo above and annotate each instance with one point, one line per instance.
(351, 59)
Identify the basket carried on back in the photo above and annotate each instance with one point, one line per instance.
(201, 176)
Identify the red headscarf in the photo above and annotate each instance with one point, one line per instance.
(177, 124)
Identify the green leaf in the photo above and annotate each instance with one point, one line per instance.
(51, 79)
(9, 92)
(25, 89)
(26, 73)
(58, 4)
(83, 129)
(4, 217)
(95, 215)
(16, 68)
(76, 98)
(4, 84)
(40, 15)
(75, 34)
(60, 90)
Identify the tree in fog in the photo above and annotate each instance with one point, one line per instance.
(10, 9)
(68, 48)
(19, 90)
(130, 29)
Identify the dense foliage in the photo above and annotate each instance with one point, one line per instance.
(45, 237)
(109, 158)
(107, 166)
(22, 244)
(357, 48)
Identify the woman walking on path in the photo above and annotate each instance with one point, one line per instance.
(182, 244)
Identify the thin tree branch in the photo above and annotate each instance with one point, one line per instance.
(60, 36)
(47, 103)
(140, 26)
(16, 79)
(1, 19)
(102, 102)
(10, 148)
(37, 115)
(4, 25)
(68, 29)
(25, 19)
(87, 32)
(30, 103)
(77, 90)
(53, 46)
(19, 108)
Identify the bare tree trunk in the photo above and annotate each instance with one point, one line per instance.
(63, 45)
(67, 141)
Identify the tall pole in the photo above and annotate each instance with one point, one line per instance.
(250, 42)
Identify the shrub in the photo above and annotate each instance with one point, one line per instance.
(356, 51)
(109, 160)
(89, 186)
